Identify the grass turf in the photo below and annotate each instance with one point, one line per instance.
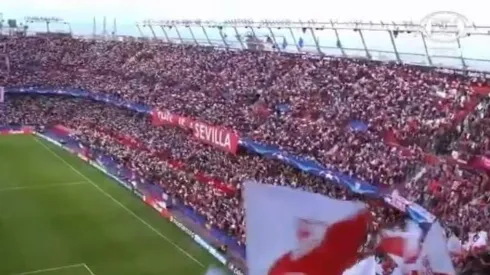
(60, 216)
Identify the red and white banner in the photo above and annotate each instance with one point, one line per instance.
(220, 137)
(160, 118)
(217, 136)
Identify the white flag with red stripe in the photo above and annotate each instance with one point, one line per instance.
(292, 231)
(404, 244)
(432, 257)
(435, 256)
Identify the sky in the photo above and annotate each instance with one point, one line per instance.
(132, 10)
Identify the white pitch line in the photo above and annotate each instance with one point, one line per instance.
(120, 204)
(88, 269)
(52, 269)
(34, 187)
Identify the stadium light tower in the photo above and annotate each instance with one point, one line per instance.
(45, 19)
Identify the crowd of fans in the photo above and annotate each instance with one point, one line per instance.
(303, 105)
(160, 153)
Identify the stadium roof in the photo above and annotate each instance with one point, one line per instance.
(444, 39)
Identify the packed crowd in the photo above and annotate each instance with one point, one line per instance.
(154, 153)
(261, 95)
(385, 97)
(159, 153)
(476, 138)
(303, 105)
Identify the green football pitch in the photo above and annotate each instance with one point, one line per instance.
(60, 216)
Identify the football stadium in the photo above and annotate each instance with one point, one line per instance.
(240, 146)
